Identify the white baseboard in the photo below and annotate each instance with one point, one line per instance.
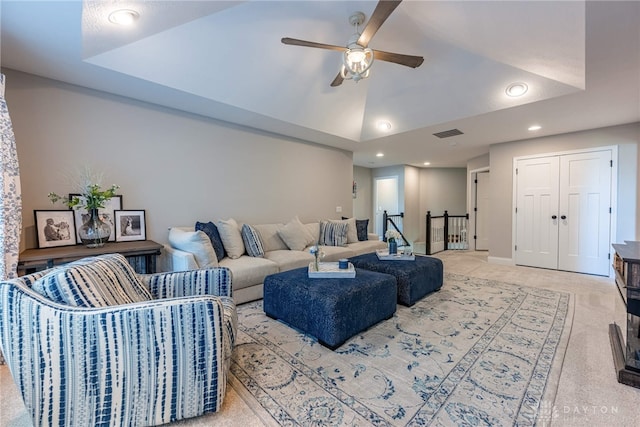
(500, 261)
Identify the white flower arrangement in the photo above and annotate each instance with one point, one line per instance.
(392, 235)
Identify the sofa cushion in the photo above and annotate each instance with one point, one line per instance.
(367, 246)
(333, 233)
(105, 280)
(295, 235)
(231, 238)
(271, 240)
(335, 253)
(252, 241)
(214, 235)
(248, 271)
(288, 259)
(196, 242)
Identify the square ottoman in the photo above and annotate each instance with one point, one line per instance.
(415, 278)
(332, 310)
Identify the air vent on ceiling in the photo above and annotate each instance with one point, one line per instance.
(448, 133)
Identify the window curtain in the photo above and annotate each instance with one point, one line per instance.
(10, 202)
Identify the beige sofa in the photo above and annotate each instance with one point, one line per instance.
(248, 272)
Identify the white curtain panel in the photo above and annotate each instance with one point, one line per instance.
(10, 202)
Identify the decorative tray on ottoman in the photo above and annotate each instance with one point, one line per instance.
(330, 270)
(383, 254)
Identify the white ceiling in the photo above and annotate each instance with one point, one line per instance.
(225, 60)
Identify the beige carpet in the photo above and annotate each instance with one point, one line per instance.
(588, 393)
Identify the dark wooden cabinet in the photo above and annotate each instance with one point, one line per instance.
(625, 338)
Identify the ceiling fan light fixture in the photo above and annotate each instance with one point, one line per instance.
(356, 63)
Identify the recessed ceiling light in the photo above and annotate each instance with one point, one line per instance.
(426, 163)
(380, 155)
(535, 127)
(517, 89)
(384, 126)
(123, 16)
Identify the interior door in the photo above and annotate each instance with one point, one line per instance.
(585, 202)
(386, 200)
(482, 211)
(537, 212)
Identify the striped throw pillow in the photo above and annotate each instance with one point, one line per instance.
(252, 241)
(100, 281)
(333, 233)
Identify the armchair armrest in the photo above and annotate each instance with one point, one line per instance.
(146, 363)
(209, 281)
(174, 259)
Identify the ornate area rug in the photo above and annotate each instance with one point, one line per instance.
(478, 352)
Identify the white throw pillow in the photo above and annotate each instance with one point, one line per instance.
(195, 242)
(295, 235)
(231, 238)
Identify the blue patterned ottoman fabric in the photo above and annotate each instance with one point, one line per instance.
(332, 310)
(415, 278)
(136, 364)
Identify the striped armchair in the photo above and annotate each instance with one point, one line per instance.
(93, 343)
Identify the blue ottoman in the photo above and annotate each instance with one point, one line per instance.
(415, 278)
(332, 310)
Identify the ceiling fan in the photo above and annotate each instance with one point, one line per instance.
(357, 57)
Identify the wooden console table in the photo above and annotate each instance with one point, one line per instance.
(140, 254)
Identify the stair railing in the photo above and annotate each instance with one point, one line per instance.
(390, 220)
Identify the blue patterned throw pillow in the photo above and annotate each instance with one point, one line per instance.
(252, 241)
(214, 235)
(362, 226)
(333, 233)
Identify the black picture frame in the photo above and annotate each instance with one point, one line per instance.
(55, 228)
(106, 214)
(130, 225)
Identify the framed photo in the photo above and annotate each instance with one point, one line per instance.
(106, 214)
(130, 226)
(55, 228)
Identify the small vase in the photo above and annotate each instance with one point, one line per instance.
(393, 247)
(94, 233)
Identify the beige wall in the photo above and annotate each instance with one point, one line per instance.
(363, 203)
(179, 167)
(442, 189)
(412, 215)
(626, 137)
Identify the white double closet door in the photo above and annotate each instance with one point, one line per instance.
(563, 212)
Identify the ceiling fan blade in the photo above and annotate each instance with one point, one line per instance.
(398, 58)
(297, 42)
(379, 15)
(337, 81)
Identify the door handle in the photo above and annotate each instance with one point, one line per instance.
(554, 217)
(563, 217)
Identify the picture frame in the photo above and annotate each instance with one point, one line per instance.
(55, 228)
(106, 214)
(130, 225)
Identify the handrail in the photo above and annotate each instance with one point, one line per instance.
(446, 217)
(386, 218)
